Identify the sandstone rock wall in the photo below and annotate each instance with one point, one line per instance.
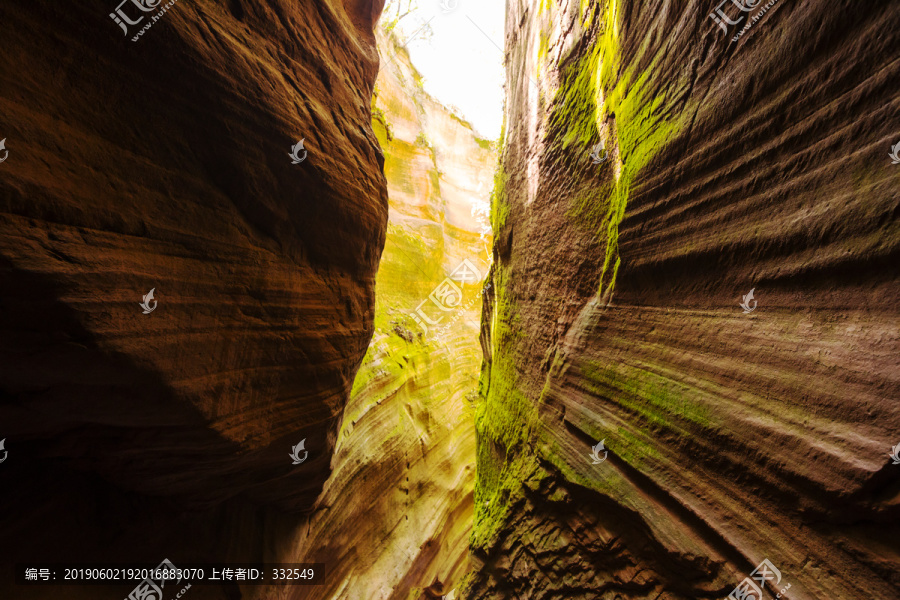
(163, 163)
(730, 161)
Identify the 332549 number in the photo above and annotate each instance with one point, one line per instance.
(290, 574)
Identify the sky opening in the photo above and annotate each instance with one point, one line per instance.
(457, 47)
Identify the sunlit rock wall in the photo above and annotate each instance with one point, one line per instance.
(728, 162)
(395, 518)
(162, 163)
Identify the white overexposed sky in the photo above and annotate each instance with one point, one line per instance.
(462, 60)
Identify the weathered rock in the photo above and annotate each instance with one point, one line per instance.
(163, 163)
(394, 519)
(759, 163)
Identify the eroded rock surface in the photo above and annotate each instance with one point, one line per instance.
(163, 163)
(394, 520)
(759, 163)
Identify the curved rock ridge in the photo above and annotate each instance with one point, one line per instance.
(394, 520)
(163, 164)
(726, 165)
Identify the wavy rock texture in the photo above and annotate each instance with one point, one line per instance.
(163, 163)
(730, 165)
(394, 520)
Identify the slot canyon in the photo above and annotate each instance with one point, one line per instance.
(266, 300)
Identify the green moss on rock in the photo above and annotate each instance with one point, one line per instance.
(598, 90)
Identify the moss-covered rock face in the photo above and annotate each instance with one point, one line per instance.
(396, 516)
(718, 166)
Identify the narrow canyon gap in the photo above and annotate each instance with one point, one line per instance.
(655, 167)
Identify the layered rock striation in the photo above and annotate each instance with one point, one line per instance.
(163, 163)
(725, 159)
(394, 520)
